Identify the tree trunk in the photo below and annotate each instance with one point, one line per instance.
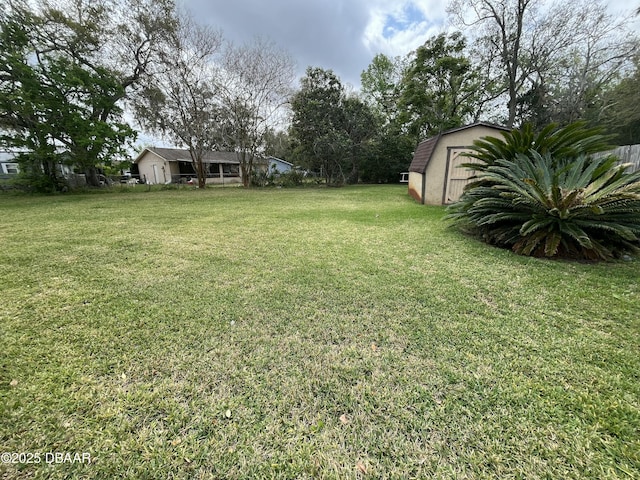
(246, 175)
(354, 176)
(201, 172)
(91, 174)
(513, 104)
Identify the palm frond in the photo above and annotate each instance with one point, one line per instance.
(545, 195)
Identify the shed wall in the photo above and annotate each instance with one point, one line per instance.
(437, 173)
(415, 186)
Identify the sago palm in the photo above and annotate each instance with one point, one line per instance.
(559, 142)
(545, 205)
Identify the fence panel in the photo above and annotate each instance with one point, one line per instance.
(628, 154)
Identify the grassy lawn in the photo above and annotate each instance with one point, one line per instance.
(321, 333)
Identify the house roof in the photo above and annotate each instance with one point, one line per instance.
(424, 152)
(279, 160)
(182, 155)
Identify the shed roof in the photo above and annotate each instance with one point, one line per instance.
(424, 152)
(182, 155)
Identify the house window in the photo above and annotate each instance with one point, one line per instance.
(231, 170)
(10, 168)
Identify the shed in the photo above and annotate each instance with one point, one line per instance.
(434, 175)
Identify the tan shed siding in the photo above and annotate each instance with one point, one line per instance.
(434, 178)
(415, 186)
(436, 173)
(457, 176)
(160, 174)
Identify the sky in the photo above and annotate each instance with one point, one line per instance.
(341, 35)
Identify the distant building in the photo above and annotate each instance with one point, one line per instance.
(8, 164)
(174, 165)
(277, 165)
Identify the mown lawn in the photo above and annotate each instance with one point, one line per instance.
(320, 333)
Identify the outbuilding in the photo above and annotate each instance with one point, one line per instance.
(435, 176)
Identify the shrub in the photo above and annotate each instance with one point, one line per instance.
(260, 178)
(554, 205)
(34, 181)
(292, 178)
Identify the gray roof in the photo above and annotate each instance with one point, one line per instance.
(424, 152)
(182, 155)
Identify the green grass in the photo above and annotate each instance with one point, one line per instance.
(314, 333)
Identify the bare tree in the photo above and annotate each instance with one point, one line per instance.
(182, 101)
(540, 49)
(501, 26)
(256, 83)
(601, 47)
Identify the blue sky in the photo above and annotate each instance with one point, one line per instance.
(397, 22)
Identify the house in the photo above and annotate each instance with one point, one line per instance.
(434, 175)
(277, 165)
(8, 165)
(174, 165)
(10, 168)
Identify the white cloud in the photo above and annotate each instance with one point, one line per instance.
(398, 27)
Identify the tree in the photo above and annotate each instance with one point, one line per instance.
(552, 60)
(390, 148)
(381, 86)
(388, 154)
(314, 127)
(256, 83)
(66, 69)
(502, 24)
(181, 101)
(359, 125)
(330, 128)
(601, 49)
(439, 87)
(622, 117)
(278, 144)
